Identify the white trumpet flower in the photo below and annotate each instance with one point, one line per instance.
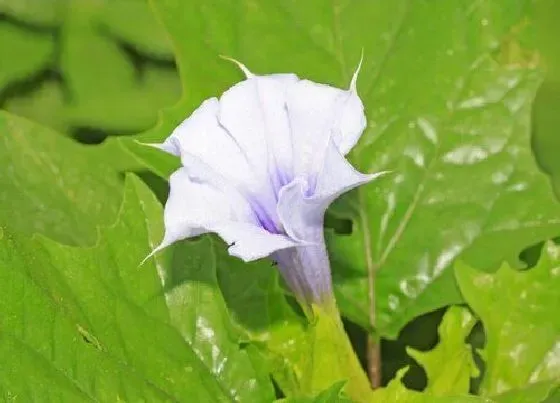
(260, 165)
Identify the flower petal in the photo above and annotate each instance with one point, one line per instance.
(254, 113)
(301, 214)
(317, 114)
(201, 202)
(202, 135)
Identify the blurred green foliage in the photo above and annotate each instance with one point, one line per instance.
(88, 68)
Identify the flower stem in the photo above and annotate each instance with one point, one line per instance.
(333, 358)
(374, 362)
(373, 348)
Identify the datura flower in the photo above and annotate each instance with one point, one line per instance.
(260, 165)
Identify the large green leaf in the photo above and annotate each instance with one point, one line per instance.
(449, 366)
(82, 324)
(56, 187)
(448, 106)
(519, 313)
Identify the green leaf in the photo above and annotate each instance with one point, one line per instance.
(116, 17)
(56, 187)
(109, 95)
(304, 358)
(91, 325)
(396, 392)
(448, 108)
(519, 312)
(39, 12)
(533, 393)
(24, 53)
(45, 104)
(332, 394)
(120, 95)
(449, 366)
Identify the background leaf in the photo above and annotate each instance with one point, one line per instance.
(518, 311)
(112, 63)
(449, 366)
(24, 53)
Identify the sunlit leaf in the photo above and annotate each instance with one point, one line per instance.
(519, 312)
(449, 366)
(56, 187)
(396, 392)
(83, 324)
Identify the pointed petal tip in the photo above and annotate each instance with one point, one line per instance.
(354, 81)
(241, 66)
(157, 249)
(377, 175)
(159, 146)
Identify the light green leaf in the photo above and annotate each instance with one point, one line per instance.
(533, 393)
(396, 392)
(449, 366)
(56, 187)
(519, 312)
(448, 107)
(304, 358)
(23, 53)
(94, 326)
(332, 394)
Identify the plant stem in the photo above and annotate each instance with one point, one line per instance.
(374, 362)
(373, 348)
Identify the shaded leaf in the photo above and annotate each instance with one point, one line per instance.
(104, 329)
(449, 365)
(518, 311)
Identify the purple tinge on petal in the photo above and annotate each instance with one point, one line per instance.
(306, 270)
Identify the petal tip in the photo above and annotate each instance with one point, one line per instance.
(354, 80)
(241, 66)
